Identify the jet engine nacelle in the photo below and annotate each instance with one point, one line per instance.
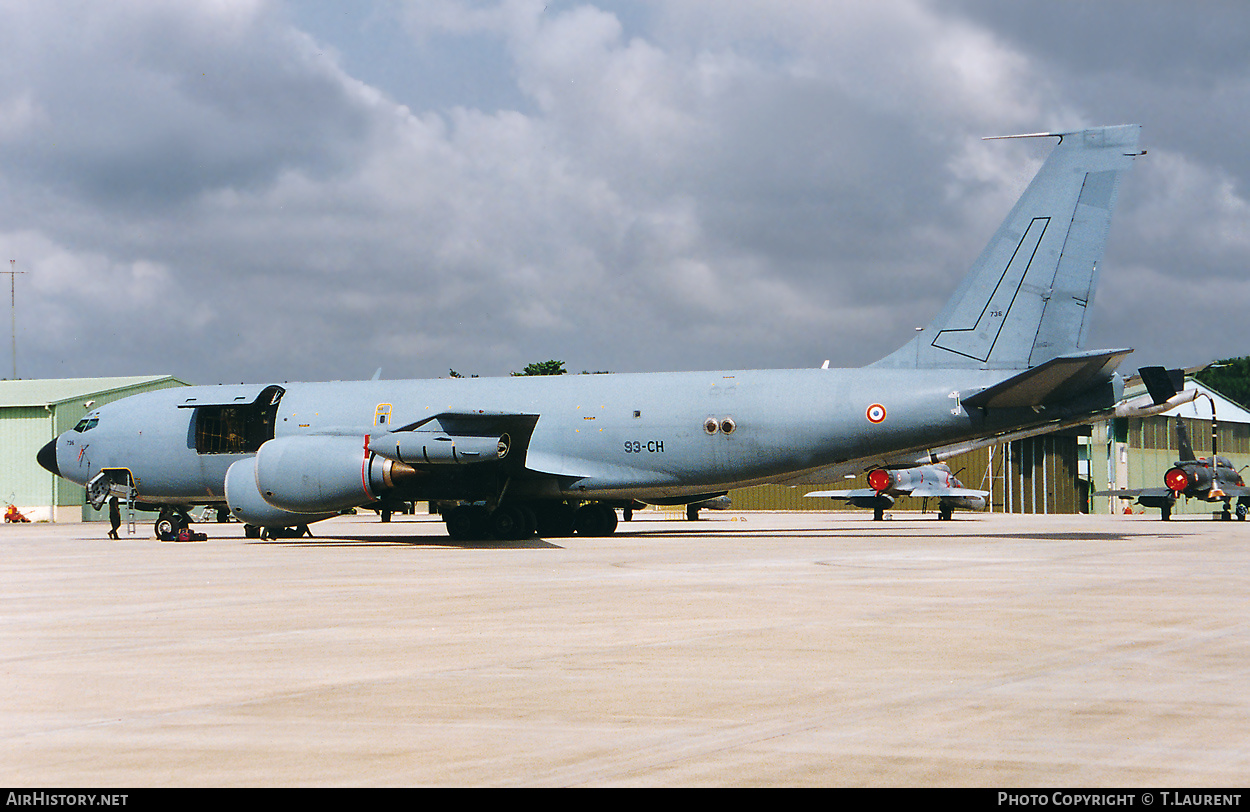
(247, 506)
(318, 474)
(436, 448)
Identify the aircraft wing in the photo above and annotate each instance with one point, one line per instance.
(1133, 493)
(858, 493)
(936, 491)
(1052, 381)
(922, 491)
(564, 465)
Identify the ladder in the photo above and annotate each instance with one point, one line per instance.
(987, 481)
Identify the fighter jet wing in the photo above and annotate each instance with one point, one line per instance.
(922, 491)
(858, 493)
(1133, 493)
(936, 491)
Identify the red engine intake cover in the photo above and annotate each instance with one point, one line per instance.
(879, 479)
(1176, 480)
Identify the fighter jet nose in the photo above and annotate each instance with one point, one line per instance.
(47, 457)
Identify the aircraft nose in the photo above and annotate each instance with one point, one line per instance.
(47, 457)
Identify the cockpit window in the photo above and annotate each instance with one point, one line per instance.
(86, 424)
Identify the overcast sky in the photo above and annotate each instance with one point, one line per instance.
(253, 190)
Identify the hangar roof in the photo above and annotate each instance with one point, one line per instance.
(49, 392)
(1199, 408)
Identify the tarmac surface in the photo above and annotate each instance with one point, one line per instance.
(747, 649)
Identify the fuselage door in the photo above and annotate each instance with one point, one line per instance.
(240, 426)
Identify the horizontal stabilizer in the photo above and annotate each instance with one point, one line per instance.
(1052, 382)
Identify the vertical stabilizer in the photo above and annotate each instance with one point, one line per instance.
(1026, 298)
(1182, 442)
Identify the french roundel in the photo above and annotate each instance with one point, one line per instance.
(875, 413)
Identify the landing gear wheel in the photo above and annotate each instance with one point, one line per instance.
(1165, 512)
(531, 521)
(692, 513)
(460, 523)
(1242, 510)
(878, 514)
(169, 522)
(944, 513)
(508, 523)
(468, 523)
(554, 520)
(595, 519)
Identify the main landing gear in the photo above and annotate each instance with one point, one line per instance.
(1241, 510)
(519, 521)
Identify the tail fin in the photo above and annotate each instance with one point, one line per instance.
(1182, 442)
(1025, 300)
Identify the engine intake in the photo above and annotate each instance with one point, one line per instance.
(247, 506)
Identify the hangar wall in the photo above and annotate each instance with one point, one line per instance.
(1036, 475)
(32, 412)
(1058, 473)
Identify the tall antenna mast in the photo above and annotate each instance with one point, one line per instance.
(13, 272)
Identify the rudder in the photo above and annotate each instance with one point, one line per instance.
(1026, 298)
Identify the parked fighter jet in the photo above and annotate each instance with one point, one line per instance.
(558, 454)
(1211, 479)
(885, 485)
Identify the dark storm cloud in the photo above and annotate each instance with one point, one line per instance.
(249, 190)
(152, 105)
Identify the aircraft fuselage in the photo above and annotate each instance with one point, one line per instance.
(641, 436)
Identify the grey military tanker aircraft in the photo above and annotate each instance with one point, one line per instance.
(556, 455)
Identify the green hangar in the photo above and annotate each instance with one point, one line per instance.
(35, 411)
